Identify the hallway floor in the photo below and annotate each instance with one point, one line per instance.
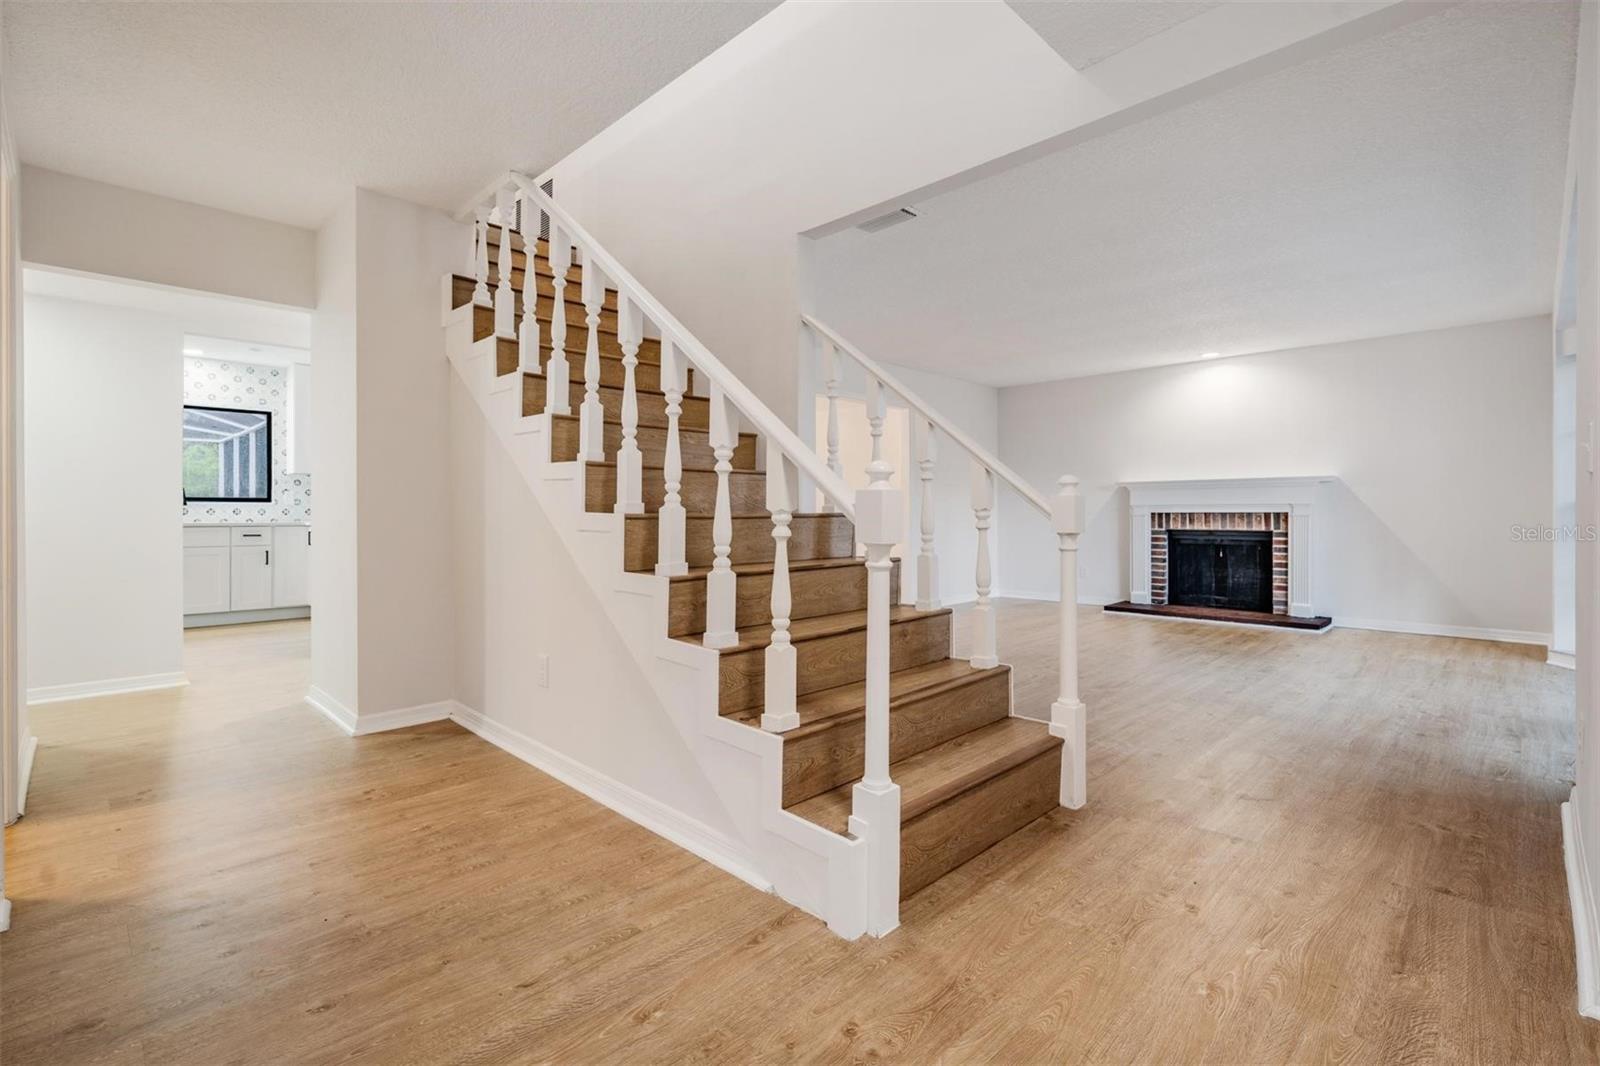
(1340, 846)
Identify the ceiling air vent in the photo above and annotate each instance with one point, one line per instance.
(883, 222)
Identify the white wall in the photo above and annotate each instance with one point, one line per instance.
(103, 390)
(74, 223)
(816, 111)
(402, 425)
(1440, 441)
(519, 597)
(1583, 835)
(382, 591)
(334, 660)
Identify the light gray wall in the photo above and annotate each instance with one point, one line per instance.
(382, 589)
(1440, 441)
(103, 389)
(74, 223)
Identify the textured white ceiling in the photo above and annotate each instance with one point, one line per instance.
(1406, 182)
(1085, 32)
(276, 109)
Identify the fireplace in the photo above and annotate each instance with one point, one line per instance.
(1263, 530)
(1217, 568)
(1231, 560)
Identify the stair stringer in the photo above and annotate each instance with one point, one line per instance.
(819, 871)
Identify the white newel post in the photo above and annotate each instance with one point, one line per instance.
(556, 375)
(830, 374)
(480, 261)
(721, 589)
(927, 557)
(983, 642)
(780, 713)
(670, 560)
(875, 800)
(1068, 717)
(528, 339)
(505, 297)
(630, 464)
(592, 416)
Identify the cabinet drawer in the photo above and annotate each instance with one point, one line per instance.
(252, 536)
(205, 536)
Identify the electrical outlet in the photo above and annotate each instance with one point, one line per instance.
(544, 671)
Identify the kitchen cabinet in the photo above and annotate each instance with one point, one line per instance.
(291, 566)
(206, 571)
(256, 567)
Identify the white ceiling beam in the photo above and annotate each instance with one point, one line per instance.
(1228, 45)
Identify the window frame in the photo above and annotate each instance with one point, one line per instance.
(267, 415)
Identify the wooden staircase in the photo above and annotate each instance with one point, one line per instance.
(969, 771)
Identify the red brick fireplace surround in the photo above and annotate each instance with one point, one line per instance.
(1277, 522)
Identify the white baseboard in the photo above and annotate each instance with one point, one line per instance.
(360, 725)
(402, 717)
(5, 914)
(1581, 894)
(688, 833)
(1564, 659)
(111, 686)
(30, 748)
(233, 618)
(1429, 629)
(332, 709)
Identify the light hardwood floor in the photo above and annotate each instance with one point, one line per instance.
(1297, 847)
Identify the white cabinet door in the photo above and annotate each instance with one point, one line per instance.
(291, 566)
(205, 579)
(251, 579)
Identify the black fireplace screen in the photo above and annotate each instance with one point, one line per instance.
(1216, 568)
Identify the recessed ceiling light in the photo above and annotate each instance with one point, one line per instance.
(193, 351)
(1211, 355)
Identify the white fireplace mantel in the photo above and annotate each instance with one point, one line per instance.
(1296, 496)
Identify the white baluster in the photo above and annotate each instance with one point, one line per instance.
(983, 643)
(721, 587)
(528, 340)
(876, 410)
(830, 374)
(505, 297)
(480, 261)
(780, 713)
(875, 801)
(556, 375)
(1068, 716)
(927, 557)
(630, 464)
(592, 427)
(670, 516)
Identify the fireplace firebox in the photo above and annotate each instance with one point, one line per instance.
(1220, 568)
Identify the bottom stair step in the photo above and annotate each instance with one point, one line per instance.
(961, 797)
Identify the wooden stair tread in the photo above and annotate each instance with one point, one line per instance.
(687, 468)
(824, 708)
(940, 773)
(653, 517)
(827, 625)
(698, 573)
(681, 429)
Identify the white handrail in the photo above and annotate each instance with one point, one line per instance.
(973, 448)
(761, 416)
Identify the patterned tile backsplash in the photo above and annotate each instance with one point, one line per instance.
(215, 383)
